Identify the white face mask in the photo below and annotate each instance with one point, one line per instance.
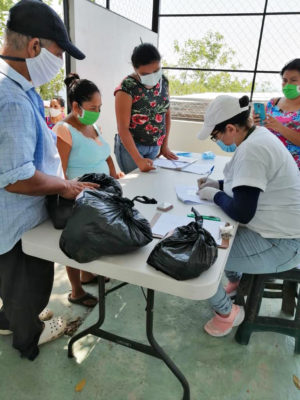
(54, 112)
(43, 67)
(151, 79)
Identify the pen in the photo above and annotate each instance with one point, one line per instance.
(202, 181)
(210, 172)
(209, 217)
(174, 163)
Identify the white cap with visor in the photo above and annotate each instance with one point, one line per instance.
(221, 109)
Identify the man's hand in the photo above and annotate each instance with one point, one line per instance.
(41, 184)
(73, 188)
(145, 164)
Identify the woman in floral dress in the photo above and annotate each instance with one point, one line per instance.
(283, 113)
(143, 112)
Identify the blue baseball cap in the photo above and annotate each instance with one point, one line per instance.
(35, 18)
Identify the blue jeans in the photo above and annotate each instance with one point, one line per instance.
(125, 160)
(253, 254)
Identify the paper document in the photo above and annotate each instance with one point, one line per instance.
(200, 169)
(187, 160)
(187, 194)
(180, 164)
(168, 222)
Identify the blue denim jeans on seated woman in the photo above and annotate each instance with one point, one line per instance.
(125, 160)
(253, 254)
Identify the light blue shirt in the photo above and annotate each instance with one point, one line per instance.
(86, 156)
(26, 145)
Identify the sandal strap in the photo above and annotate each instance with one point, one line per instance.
(81, 300)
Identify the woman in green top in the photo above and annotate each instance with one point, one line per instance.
(143, 112)
(83, 150)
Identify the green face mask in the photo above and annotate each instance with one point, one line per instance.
(89, 117)
(291, 91)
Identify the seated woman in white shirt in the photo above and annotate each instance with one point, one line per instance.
(261, 191)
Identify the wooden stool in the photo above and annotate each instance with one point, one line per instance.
(254, 286)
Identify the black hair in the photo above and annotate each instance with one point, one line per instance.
(144, 54)
(79, 90)
(60, 100)
(293, 65)
(241, 119)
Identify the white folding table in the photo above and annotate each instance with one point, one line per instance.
(43, 242)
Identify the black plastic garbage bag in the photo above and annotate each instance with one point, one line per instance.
(186, 253)
(104, 223)
(60, 209)
(106, 182)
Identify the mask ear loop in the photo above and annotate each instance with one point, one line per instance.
(160, 85)
(81, 116)
(41, 46)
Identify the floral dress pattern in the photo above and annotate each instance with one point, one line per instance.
(290, 119)
(49, 123)
(148, 111)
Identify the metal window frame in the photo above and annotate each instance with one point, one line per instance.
(255, 71)
(156, 15)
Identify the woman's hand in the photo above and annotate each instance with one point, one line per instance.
(208, 193)
(256, 119)
(120, 175)
(206, 182)
(166, 152)
(273, 123)
(117, 175)
(145, 164)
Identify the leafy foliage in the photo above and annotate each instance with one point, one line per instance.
(211, 51)
(5, 5)
(52, 88)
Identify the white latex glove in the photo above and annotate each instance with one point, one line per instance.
(208, 193)
(206, 182)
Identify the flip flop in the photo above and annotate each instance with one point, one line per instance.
(93, 280)
(81, 301)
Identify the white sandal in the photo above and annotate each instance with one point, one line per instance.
(46, 314)
(5, 332)
(53, 329)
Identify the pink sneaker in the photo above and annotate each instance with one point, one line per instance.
(231, 288)
(219, 326)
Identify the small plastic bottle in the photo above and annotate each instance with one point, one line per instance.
(208, 155)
